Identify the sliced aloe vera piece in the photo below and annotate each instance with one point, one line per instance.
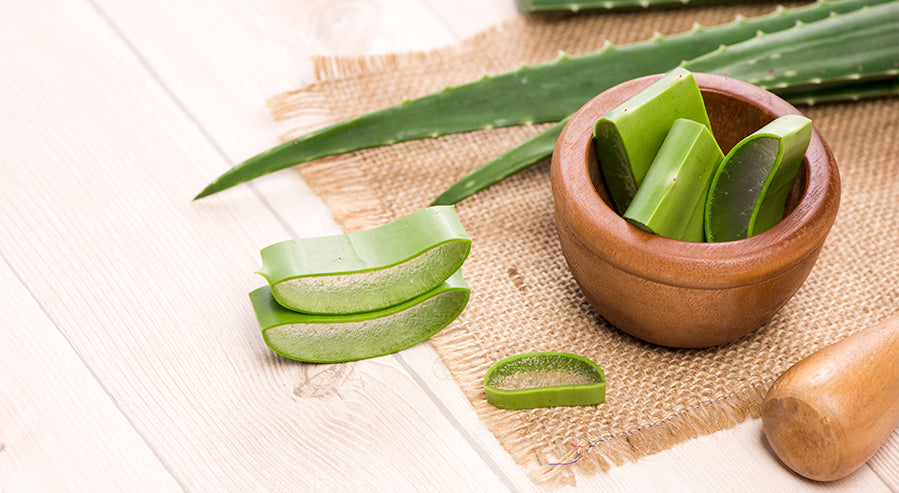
(629, 136)
(367, 270)
(750, 188)
(671, 200)
(339, 338)
(544, 379)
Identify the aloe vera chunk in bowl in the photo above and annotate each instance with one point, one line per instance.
(367, 270)
(671, 200)
(544, 379)
(340, 338)
(750, 188)
(629, 136)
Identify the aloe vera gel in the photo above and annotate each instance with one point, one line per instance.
(367, 270)
(364, 294)
(669, 177)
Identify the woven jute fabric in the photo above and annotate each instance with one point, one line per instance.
(523, 296)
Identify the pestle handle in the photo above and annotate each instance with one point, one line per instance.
(829, 413)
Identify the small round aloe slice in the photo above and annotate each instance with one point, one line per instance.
(367, 270)
(750, 189)
(338, 338)
(545, 379)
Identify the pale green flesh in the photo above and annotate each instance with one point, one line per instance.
(371, 289)
(629, 136)
(367, 270)
(750, 188)
(339, 338)
(671, 200)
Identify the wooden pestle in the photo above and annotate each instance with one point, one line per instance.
(829, 413)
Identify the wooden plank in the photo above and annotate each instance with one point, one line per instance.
(150, 289)
(59, 430)
(885, 463)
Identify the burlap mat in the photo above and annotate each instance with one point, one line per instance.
(523, 297)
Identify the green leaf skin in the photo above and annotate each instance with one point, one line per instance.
(629, 136)
(341, 338)
(545, 379)
(750, 188)
(671, 200)
(519, 158)
(367, 270)
(533, 94)
(833, 51)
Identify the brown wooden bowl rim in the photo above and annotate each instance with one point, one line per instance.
(701, 265)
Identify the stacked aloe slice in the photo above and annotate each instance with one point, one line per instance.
(666, 174)
(364, 294)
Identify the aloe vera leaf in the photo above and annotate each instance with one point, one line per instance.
(845, 92)
(671, 200)
(533, 94)
(840, 49)
(544, 379)
(367, 270)
(519, 158)
(750, 188)
(629, 136)
(339, 338)
(533, 6)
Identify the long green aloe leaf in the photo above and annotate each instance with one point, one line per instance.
(839, 50)
(863, 62)
(541, 93)
(517, 159)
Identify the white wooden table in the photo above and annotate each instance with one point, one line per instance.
(130, 359)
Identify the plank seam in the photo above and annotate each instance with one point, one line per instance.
(451, 418)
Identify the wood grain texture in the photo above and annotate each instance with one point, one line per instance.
(130, 302)
(59, 429)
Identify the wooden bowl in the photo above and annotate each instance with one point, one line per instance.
(678, 293)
